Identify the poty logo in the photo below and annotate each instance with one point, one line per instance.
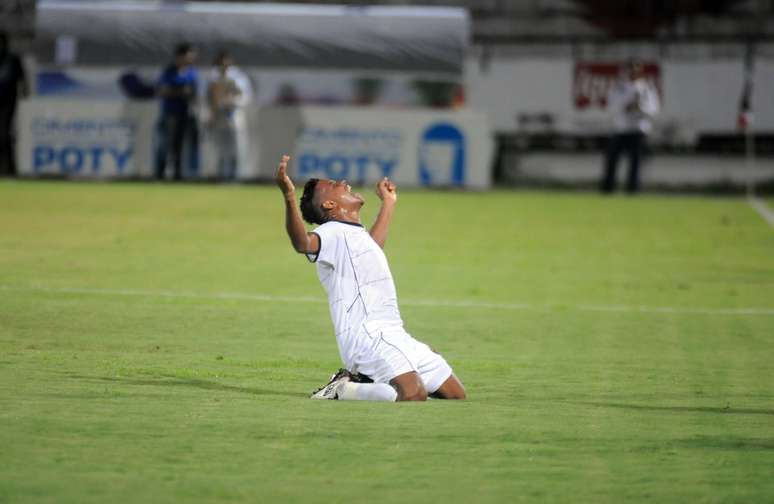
(442, 156)
(360, 155)
(79, 145)
(72, 159)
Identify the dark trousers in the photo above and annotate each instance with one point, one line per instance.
(173, 131)
(631, 144)
(7, 156)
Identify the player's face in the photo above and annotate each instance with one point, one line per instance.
(338, 192)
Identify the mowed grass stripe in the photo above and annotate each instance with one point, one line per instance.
(409, 302)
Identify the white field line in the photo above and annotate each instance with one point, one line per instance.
(407, 302)
(762, 209)
(674, 309)
(165, 293)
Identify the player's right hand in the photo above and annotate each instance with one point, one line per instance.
(282, 179)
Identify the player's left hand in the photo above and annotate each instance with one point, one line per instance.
(386, 190)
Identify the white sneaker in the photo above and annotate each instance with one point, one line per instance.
(330, 390)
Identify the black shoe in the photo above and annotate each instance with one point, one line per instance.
(330, 389)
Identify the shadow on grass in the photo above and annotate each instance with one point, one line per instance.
(728, 410)
(173, 381)
(726, 443)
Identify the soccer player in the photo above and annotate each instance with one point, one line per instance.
(361, 293)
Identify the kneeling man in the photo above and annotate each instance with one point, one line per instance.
(382, 362)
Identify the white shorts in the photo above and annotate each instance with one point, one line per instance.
(396, 353)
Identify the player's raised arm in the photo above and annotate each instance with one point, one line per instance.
(387, 192)
(302, 241)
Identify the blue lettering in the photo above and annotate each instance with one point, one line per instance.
(330, 167)
(96, 157)
(121, 157)
(71, 159)
(362, 165)
(307, 163)
(387, 166)
(42, 156)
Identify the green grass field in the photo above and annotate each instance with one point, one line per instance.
(158, 343)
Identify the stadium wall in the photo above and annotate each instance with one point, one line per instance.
(698, 96)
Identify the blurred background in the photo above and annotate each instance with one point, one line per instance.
(469, 94)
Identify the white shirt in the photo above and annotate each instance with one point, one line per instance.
(622, 93)
(241, 80)
(361, 293)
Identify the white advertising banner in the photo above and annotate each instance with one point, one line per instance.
(116, 139)
(362, 145)
(84, 139)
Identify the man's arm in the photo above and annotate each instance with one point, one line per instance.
(651, 104)
(167, 91)
(166, 87)
(386, 191)
(303, 242)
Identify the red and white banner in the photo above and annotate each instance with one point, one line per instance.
(592, 81)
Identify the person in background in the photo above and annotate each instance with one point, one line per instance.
(633, 102)
(177, 87)
(287, 96)
(228, 93)
(13, 84)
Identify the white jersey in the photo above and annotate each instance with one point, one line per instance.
(361, 293)
(624, 92)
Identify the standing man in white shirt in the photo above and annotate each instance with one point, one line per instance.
(633, 102)
(363, 301)
(229, 91)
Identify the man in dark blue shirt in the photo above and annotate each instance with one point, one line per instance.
(177, 87)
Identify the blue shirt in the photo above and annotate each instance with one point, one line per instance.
(177, 80)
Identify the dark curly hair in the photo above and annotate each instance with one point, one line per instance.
(313, 214)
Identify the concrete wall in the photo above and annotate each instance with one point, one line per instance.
(699, 97)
